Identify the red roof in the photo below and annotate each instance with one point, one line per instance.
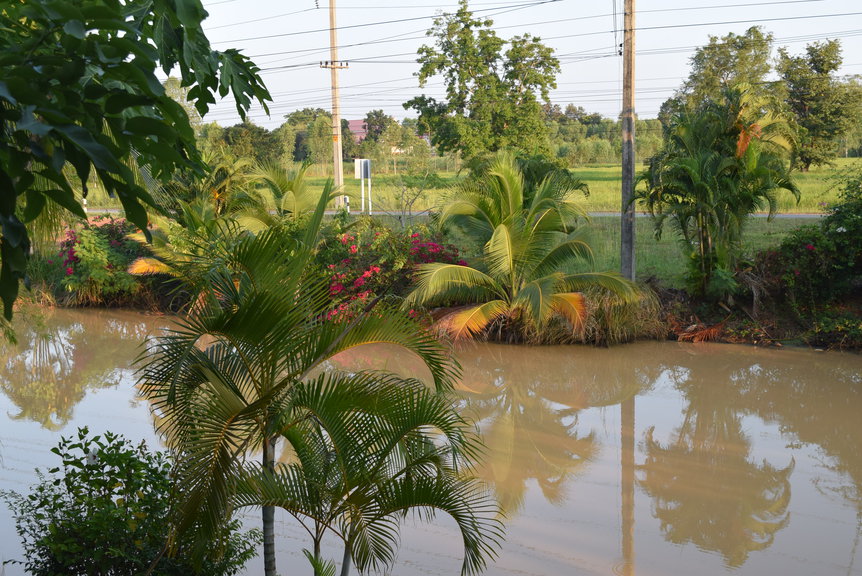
(359, 129)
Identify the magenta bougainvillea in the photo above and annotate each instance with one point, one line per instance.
(370, 261)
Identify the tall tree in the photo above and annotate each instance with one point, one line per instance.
(720, 163)
(723, 63)
(256, 143)
(79, 94)
(376, 123)
(823, 107)
(491, 95)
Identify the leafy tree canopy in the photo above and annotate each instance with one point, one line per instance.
(302, 118)
(823, 108)
(723, 63)
(376, 123)
(79, 95)
(491, 96)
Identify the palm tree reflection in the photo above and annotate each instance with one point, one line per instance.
(527, 402)
(705, 487)
(63, 355)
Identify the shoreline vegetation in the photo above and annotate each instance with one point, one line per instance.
(369, 257)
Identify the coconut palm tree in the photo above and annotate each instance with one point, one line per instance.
(535, 261)
(720, 163)
(281, 195)
(243, 370)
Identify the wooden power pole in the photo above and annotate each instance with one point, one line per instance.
(627, 230)
(334, 65)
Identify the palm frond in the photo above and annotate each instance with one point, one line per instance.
(440, 283)
(471, 321)
(572, 307)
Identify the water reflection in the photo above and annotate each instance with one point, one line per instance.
(717, 460)
(60, 355)
(527, 402)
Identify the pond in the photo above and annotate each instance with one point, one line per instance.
(654, 458)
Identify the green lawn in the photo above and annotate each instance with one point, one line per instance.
(663, 258)
(818, 187)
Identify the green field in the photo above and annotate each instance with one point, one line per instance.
(663, 259)
(818, 189)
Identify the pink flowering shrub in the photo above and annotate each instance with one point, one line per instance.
(369, 260)
(94, 259)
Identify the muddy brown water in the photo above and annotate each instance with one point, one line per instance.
(649, 459)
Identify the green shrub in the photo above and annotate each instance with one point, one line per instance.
(367, 260)
(94, 260)
(837, 330)
(817, 264)
(107, 510)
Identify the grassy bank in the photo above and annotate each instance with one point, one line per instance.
(663, 258)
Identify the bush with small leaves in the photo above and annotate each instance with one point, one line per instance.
(106, 509)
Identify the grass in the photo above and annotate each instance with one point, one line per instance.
(664, 258)
(818, 187)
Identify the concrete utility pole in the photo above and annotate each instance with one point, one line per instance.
(627, 229)
(334, 65)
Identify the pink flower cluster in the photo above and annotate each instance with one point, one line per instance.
(67, 252)
(428, 252)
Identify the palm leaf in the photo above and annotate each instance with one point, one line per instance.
(440, 283)
(572, 307)
(471, 321)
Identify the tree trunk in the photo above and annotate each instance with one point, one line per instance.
(345, 562)
(269, 513)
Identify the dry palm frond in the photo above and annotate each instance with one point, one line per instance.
(696, 331)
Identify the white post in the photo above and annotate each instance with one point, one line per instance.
(369, 191)
(362, 195)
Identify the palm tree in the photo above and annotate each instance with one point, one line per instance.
(226, 177)
(283, 196)
(536, 259)
(242, 371)
(720, 163)
(365, 459)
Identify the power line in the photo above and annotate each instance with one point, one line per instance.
(378, 23)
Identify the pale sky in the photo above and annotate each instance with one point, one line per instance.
(379, 39)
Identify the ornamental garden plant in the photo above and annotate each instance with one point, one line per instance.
(367, 260)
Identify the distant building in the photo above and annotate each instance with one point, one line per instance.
(359, 129)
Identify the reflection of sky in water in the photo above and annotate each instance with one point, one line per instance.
(777, 407)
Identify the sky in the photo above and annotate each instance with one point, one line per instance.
(379, 39)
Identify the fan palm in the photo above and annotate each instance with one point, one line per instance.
(536, 259)
(238, 374)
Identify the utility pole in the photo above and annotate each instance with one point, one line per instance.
(334, 65)
(627, 228)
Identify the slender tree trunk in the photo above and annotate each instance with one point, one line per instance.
(317, 552)
(269, 513)
(345, 561)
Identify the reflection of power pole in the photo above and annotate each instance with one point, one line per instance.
(334, 65)
(627, 484)
(627, 229)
